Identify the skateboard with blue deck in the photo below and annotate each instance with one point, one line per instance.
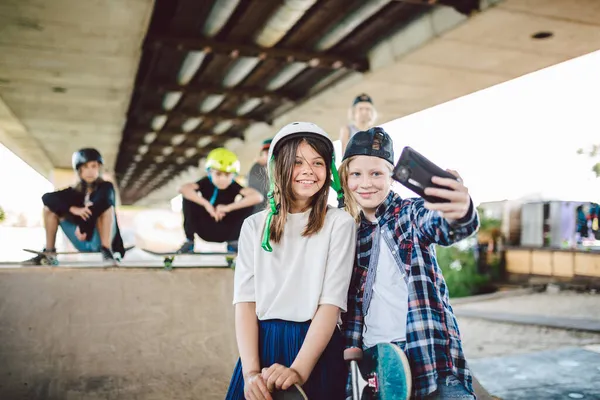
(381, 372)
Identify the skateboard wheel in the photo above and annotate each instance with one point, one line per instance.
(54, 262)
(45, 261)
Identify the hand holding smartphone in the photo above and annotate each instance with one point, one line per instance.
(415, 171)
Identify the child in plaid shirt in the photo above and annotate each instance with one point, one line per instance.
(398, 293)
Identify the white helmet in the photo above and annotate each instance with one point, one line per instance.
(291, 130)
(294, 129)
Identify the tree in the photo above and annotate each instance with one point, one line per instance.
(593, 152)
(2, 215)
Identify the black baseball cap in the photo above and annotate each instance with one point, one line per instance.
(374, 142)
(362, 97)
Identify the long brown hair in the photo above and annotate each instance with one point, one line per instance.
(285, 160)
(83, 186)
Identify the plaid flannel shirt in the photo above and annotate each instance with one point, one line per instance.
(433, 345)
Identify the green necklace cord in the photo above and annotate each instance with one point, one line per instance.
(336, 184)
(273, 209)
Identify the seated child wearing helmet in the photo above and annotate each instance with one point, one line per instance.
(85, 212)
(210, 209)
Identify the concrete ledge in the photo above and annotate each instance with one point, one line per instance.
(118, 334)
(579, 324)
(493, 296)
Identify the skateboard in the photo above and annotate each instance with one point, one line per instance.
(293, 393)
(53, 261)
(381, 372)
(169, 257)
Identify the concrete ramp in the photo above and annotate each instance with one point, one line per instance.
(116, 334)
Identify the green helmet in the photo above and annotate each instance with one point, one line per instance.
(223, 160)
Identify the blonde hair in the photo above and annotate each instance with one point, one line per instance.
(350, 204)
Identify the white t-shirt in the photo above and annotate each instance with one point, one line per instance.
(301, 273)
(385, 321)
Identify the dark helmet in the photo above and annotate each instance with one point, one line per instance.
(374, 142)
(83, 156)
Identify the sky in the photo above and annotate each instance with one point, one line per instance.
(516, 139)
(22, 186)
(512, 140)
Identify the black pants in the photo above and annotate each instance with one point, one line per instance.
(196, 220)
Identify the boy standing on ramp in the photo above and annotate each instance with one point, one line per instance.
(362, 116)
(210, 209)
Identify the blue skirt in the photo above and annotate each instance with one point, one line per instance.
(279, 342)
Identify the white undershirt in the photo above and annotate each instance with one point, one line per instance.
(385, 321)
(301, 273)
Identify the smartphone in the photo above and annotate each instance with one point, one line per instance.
(415, 171)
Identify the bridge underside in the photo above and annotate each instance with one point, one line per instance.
(155, 92)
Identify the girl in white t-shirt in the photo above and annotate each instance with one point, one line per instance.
(292, 275)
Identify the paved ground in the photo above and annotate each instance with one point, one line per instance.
(561, 304)
(575, 323)
(489, 339)
(518, 361)
(568, 373)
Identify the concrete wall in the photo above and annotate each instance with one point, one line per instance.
(116, 334)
